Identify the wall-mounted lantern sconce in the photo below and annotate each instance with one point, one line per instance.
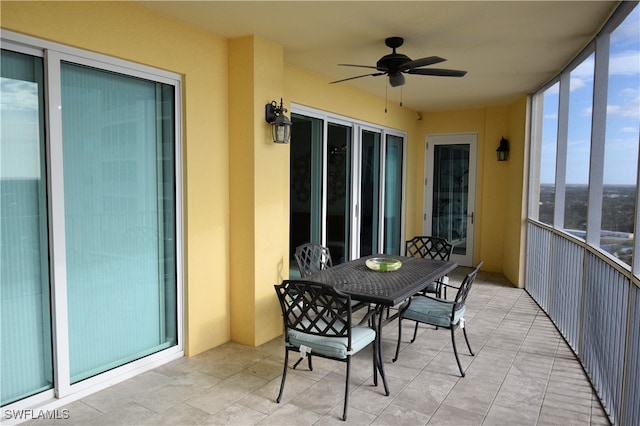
(503, 150)
(280, 123)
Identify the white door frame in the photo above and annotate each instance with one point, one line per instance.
(470, 139)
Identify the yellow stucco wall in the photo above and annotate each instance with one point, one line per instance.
(499, 197)
(516, 207)
(259, 193)
(132, 33)
(236, 181)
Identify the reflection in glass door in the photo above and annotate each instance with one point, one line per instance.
(305, 191)
(450, 192)
(338, 222)
(393, 194)
(369, 193)
(26, 362)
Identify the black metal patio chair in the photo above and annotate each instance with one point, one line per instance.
(430, 247)
(441, 313)
(317, 320)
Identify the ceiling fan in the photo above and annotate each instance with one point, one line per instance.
(396, 64)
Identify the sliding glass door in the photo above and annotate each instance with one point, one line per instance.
(88, 221)
(119, 224)
(347, 183)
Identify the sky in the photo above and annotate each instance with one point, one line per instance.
(623, 113)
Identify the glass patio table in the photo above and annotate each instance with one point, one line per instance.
(383, 288)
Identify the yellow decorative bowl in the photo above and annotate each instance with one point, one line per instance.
(383, 264)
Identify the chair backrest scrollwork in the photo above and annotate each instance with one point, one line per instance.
(312, 257)
(315, 308)
(465, 287)
(429, 247)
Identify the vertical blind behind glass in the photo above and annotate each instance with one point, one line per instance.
(25, 327)
(119, 218)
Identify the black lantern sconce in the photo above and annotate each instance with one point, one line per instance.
(280, 123)
(503, 150)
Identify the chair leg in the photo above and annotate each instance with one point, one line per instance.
(464, 331)
(297, 362)
(415, 333)
(300, 360)
(375, 365)
(346, 389)
(395, 358)
(284, 374)
(377, 351)
(455, 351)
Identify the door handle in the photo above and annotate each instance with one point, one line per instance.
(471, 216)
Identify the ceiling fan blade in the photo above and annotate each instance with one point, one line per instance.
(375, 74)
(422, 62)
(437, 72)
(359, 66)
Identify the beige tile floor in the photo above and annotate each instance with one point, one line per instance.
(523, 373)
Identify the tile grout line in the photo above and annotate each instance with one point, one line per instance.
(514, 358)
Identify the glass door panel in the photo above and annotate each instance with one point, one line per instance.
(393, 194)
(370, 193)
(119, 218)
(451, 187)
(305, 192)
(338, 178)
(450, 192)
(25, 327)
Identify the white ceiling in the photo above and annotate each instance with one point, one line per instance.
(508, 48)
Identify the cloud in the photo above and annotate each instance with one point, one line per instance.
(628, 105)
(18, 95)
(582, 74)
(576, 83)
(625, 63)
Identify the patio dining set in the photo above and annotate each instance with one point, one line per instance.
(318, 309)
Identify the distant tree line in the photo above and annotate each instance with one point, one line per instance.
(618, 207)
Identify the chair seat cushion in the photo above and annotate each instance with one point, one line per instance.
(334, 347)
(433, 312)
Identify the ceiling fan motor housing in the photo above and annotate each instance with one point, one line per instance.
(395, 65)
(392, 62)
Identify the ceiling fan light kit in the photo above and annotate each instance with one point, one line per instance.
(395, 65)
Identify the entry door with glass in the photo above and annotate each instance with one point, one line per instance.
(449, 195)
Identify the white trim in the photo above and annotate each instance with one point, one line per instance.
(598, 137)
(19, 47)
(341, 119)
(57, 237)
(561, 150)
(103, 61)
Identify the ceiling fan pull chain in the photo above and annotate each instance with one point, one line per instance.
(386, 90)
(401, 96)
